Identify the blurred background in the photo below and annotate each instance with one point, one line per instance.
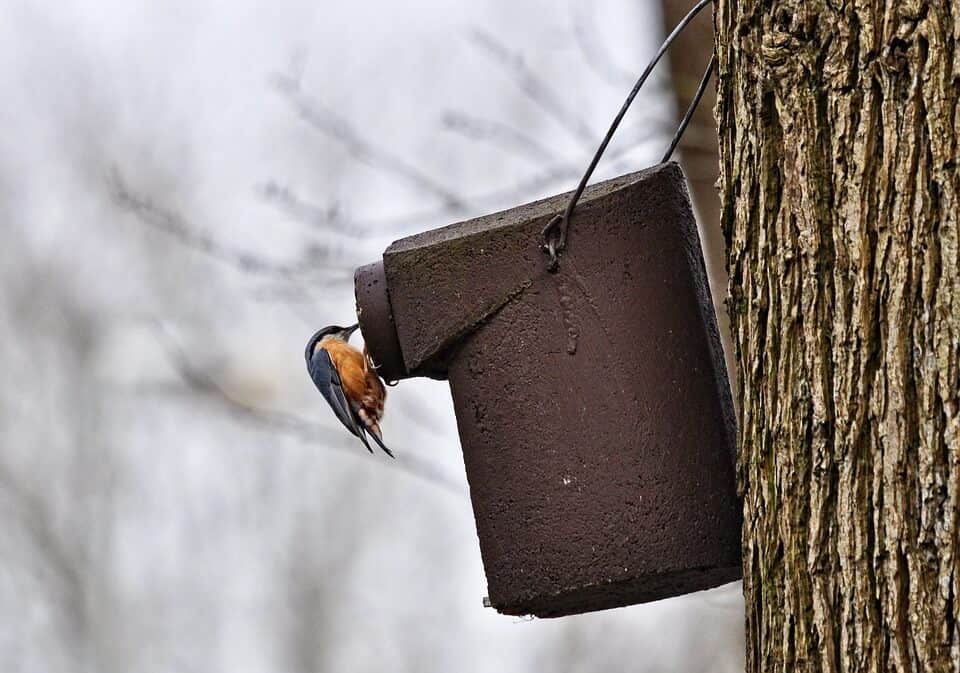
(185, 190)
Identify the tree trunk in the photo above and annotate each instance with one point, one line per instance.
(838, 126)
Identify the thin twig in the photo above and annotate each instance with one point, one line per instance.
(319, 117)
(30, 508)
(535, 184)
(325, 218)
(292, 424)
(534, 87)
(594, 54)
(329, 218)
(316, 260)
(498, 134)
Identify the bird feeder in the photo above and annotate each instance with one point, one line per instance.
(592, 403)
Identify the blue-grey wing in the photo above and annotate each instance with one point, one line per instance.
(327, 381)
(381, 444)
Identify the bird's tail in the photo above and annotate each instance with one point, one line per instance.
(363, 438)
(376, 438)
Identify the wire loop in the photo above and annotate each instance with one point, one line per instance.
(553, 240)
(555, 233)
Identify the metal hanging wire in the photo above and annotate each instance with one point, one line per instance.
(555, 233)
(694, 104)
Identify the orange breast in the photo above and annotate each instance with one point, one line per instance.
(361, 385)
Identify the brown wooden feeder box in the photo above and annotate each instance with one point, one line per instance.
(592, 403)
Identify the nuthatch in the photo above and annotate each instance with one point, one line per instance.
(348, 381)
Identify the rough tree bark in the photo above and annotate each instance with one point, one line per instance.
(838, 125)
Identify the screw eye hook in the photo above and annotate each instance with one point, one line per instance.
(554, 238)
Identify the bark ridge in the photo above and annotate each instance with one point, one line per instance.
(838, 124)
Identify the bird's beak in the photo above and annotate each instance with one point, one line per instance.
(348, 332)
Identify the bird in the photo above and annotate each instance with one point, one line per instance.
(349, 382)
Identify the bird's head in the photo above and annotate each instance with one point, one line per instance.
(333, 331)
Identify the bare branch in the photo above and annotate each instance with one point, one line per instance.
(330, 218)
(584, 30)
(31, 511)
(453, 205)
(287, 293)
(498, 134)
(316, 260)
(552, 174)
(559, 174)
(534, 87)
(291, 424)
(327, 122)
